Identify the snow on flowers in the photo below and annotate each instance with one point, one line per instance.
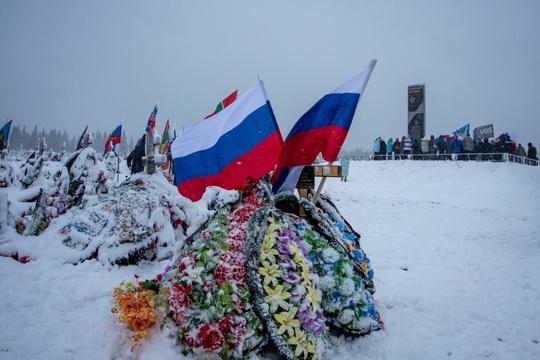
(255, 279)
(136, 306)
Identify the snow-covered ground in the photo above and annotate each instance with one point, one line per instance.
(455, 247)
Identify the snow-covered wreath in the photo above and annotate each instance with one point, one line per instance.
(255, 278)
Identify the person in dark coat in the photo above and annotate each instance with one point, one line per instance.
(531, 154)
(134, 159)
(397, 149)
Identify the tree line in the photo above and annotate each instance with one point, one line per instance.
(56, 140)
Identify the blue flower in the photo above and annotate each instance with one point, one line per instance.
(335, 296)
(339, 226)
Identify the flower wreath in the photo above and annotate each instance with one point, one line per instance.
(259, 276)
(357, 315)
(284, 289)
(208, 296)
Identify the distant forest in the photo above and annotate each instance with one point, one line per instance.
(20, 139)
(57, 140)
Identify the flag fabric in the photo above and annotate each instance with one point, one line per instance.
(164, 139)
(239, 143)
(80, 144)
(483, 132)
(462, 131)
(165, 144)
(115, 138)
(224, 103)
(4, 132)
(151, 121)
(322, 129)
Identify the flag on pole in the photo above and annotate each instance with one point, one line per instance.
(114, 138)
(151, 121)
(322, 129)
(4, 132)
(165, 139)
(462, 131)
(224, 103)
(165, 144)
(80, 144)
(239, 143)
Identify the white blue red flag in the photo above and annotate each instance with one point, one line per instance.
(322, 129)
(241, 142)
(151, 121)
(114, 138)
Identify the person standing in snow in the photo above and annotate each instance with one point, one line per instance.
(441, 146)
(468, 145)
(382, 153)
(424, 144)
(389, 149)
(456, 145)
(134, 159)
(344, 168)
(397, 149)
(531, 154)
(521, 153)
(376, 148)
(407, 147)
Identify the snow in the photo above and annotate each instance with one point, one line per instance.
(455, 247)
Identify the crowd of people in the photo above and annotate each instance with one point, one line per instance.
(444, 147)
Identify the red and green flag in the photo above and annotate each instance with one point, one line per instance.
(224, 103)
(165, 139)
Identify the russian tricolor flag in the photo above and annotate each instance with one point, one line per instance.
(114, 138)
(322, 129)
(240, 142)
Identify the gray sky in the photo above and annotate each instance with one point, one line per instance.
(67, 64)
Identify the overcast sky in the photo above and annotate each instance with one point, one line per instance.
(67, 64)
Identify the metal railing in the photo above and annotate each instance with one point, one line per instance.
(495, 157)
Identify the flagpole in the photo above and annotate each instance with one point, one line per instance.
(7, 142)
(319, 189)
(261, 83)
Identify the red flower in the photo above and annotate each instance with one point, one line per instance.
(221, 273)
(238, 274)
(189, 340)
(179, 297)
(237, 333)
(185, 262)
(210, 337)
(237, 303)
(207, 286)
(233, 258)
(234, 245)
(225, 324)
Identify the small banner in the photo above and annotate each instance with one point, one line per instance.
(483, 132)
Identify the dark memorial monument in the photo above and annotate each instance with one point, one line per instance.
(416, 125)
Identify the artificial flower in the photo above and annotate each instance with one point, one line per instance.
(276, 298)
(303, 346)
(270, 272)
(288, 321)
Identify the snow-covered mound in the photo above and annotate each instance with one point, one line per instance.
(79, 204)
